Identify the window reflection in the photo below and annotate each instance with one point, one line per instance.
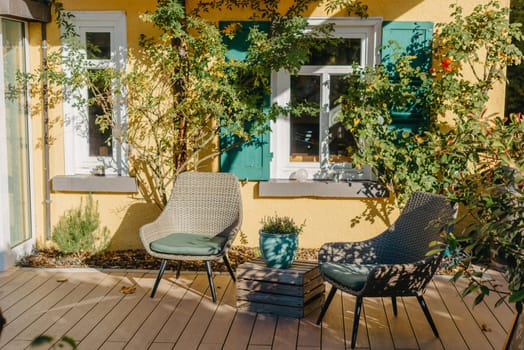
(305, 128)
(336, 52)
(98, 45)
(99, 141)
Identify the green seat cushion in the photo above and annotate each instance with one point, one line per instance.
(188, 244)
(352, 276)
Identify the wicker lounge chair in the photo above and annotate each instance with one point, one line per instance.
(394, 263)
(199, 222)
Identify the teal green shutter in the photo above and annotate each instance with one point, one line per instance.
(415, 40)
(250, 160)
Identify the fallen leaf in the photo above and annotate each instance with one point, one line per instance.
(128, 290)
(485, 328)
(61, 279)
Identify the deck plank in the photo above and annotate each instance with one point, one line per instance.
(263, 330)
(126, 307)
(89, 307)
(464, 320)
(349, 315)
(130, 325)
(78, 311)
(401, 328)
(377, 324)
(103, 307)
(145, 335)
(87, 281)
(422, 333)
(240, 330)
(449, 333)
(333, 325)
(7, 277)
(181, 316)
(286, 333)
(39, 309)
(25, 305)
(220, 324)
(485, 319)
(23, 285)
(505, 311)
(309, 334)
(201, 318)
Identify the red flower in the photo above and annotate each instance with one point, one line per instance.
(446, 64)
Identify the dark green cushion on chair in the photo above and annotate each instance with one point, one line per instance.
(352, 276)
(188, 244)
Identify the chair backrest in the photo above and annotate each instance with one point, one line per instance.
(421, 221)
(204, 203)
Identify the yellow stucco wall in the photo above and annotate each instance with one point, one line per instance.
(123, 214)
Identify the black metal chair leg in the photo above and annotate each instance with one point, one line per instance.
(424, 306)
(326, 304)
(210, 278)
(356, 319)
(178, 268)
(228, 265)
(163, 265)
(394, 301)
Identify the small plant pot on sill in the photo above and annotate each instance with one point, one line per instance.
(278, 250)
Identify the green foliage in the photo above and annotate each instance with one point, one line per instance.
(78, 230)
(45, 339)
(280, 225)
(181, 91)
(477, 160)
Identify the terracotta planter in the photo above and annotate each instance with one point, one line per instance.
(278, 250)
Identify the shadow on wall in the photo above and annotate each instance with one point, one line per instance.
(137, 215)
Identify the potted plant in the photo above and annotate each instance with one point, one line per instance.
(278, 240)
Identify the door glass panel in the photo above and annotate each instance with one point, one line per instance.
(304, 129)
(13, 55)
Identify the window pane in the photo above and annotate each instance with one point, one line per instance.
(339, 137)
(338, 52)
(99, 142)
(98, 45)
(305, 128)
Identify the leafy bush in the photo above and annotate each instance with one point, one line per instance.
(78, 230)
(476, 160)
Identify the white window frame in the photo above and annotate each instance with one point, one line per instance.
(368, 31)
(76, 145)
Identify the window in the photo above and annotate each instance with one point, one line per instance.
(103, 35)
(315, 145)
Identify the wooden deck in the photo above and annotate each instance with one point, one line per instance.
(90, 307)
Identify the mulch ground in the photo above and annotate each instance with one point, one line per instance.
(138, 259)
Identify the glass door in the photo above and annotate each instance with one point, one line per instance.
(16, 147)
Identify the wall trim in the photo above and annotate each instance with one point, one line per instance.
(26, 10)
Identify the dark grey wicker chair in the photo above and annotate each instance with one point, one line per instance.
(199, 222)
(394, 263)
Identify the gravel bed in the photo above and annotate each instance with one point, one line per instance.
(139, 259)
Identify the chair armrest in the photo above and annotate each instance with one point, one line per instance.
(401, 279)
(231, 232)
(154, 230)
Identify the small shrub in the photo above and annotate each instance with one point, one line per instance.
(280, 225)
(78, 230)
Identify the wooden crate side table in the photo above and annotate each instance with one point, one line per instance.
(294, 292)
